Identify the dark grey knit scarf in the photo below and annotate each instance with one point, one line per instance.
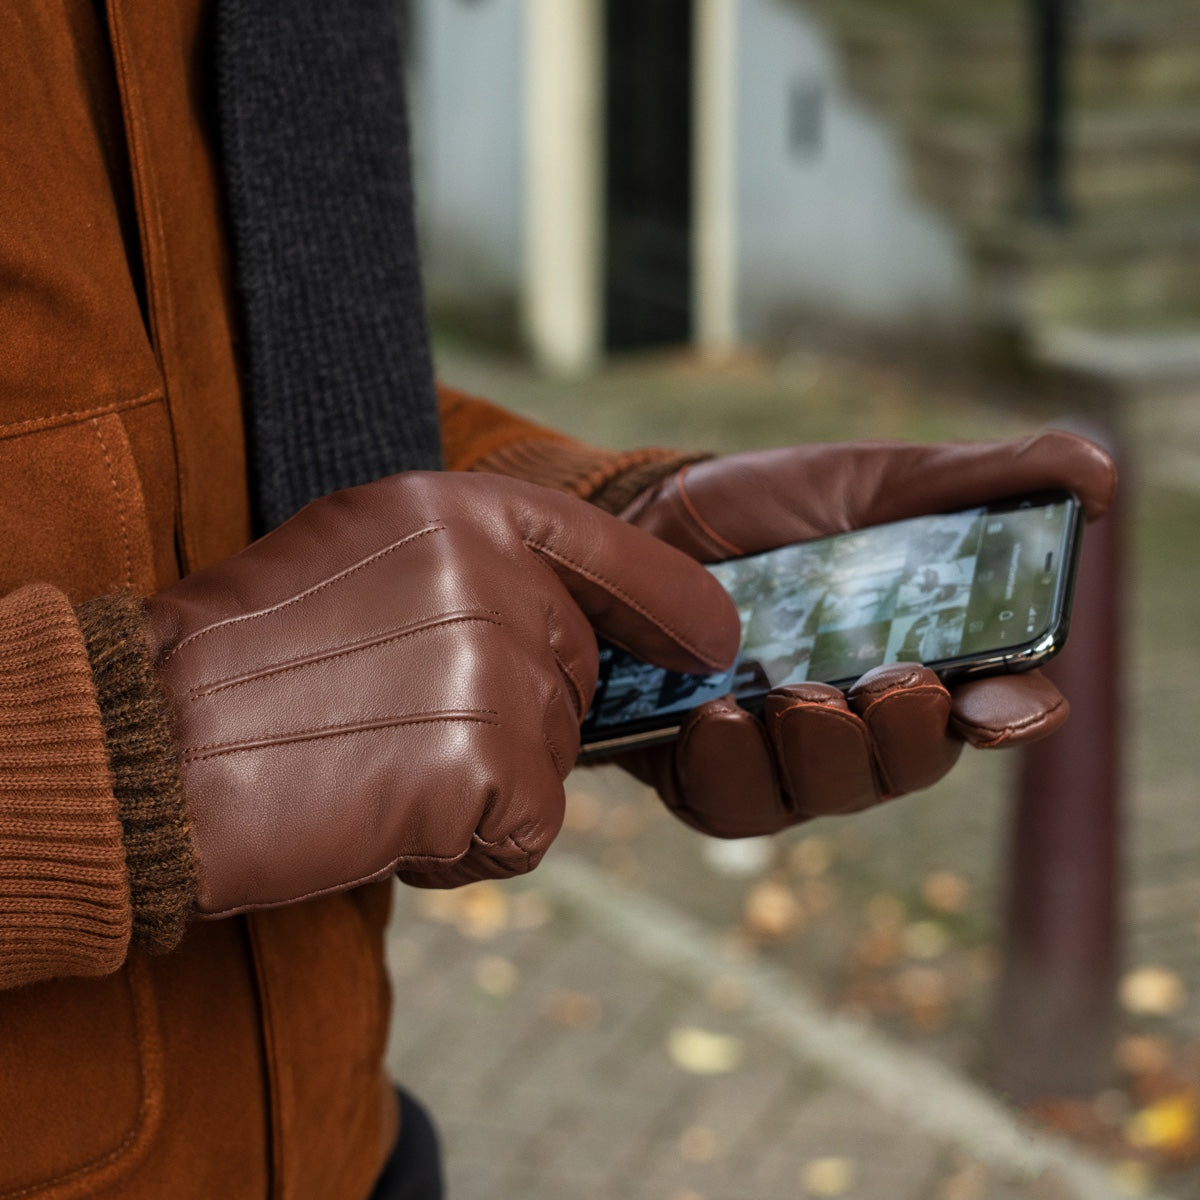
(314, 146)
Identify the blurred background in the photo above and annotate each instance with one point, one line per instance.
(722, 224)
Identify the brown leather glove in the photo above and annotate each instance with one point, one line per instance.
(394, 678)
(816, 751)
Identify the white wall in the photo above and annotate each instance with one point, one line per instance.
(467, 128)
(829, 224)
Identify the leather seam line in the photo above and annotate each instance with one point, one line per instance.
(563, 768)
(485, 716)
(570, 676)
(362, 564)
(705, 528)
(614, 590)
(54, 420)
(489, 617)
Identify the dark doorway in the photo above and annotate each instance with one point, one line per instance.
(648, 201)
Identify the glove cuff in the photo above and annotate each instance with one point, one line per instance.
(145, 770)
(478, 436)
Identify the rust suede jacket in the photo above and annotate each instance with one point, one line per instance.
(248, 1062)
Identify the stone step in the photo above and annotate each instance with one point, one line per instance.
(1130, 274)
(914, 58)
(978, 170)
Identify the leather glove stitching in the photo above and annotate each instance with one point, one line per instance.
(579, 694)
(362, 564)
(614, 590)
(487, 616)
(219, 749)
(723, 544)
(560, 764)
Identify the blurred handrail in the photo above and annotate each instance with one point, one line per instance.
(1050, 28)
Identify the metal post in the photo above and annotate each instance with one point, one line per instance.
(1055, 1025)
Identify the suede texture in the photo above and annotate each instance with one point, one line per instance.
(246, 1063)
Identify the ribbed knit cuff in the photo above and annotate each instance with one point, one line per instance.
(478, 436)
(145, 770)
(64, 893)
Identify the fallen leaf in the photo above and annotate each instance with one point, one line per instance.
(1152, 992)
(1141, 1054)
(925, 994)
(827, 1176)
(496, 976)
(1167, 1127)
(484, 912)
(879, 947)
(811, 856)
(946, 892)
(574, 1010)
(925, 940)
(703, 1053)
(772, 910)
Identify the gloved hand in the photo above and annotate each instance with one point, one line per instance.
(394, 678)
(816, 751)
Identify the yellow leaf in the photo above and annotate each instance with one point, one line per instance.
(1152, 992)
(702, 1052)
(772, 910)
(811, 856)
(1168, 1125)
(495, 975)
(828, 1176)
(946, 892)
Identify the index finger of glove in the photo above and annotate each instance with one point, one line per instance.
(636, 590)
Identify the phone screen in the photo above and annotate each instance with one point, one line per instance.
(941, 590)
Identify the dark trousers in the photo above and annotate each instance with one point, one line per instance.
(414, 1169)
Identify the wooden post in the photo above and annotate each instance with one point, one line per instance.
(1057, 998)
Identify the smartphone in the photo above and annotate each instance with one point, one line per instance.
(978, 592)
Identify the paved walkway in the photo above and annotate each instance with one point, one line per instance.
(578, 1038)
(655, 1015)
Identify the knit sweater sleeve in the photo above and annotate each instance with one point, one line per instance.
(64, 892)
(94, 851)
(479, 436)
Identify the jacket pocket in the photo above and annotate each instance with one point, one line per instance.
(72, 507)
(81, 1083)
